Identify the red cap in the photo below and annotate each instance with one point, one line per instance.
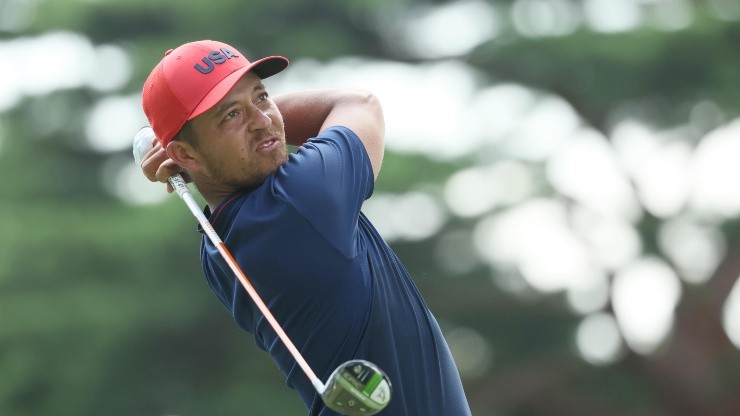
(191, 79)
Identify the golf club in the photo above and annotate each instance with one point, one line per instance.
(356, 387)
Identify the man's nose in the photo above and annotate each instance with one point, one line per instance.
(259, 120)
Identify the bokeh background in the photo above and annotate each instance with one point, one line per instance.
(561, 179)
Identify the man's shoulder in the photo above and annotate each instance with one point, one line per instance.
(337, 133)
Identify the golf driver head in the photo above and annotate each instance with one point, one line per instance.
(357, 388)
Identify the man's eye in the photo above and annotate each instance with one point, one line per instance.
(231, 114)
(262, 97)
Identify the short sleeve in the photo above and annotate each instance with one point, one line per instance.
(327, 181)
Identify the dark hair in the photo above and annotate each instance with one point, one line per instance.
(187, 135)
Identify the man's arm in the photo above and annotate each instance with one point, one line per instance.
(307, 113)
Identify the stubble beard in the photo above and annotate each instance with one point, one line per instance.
(251, 176)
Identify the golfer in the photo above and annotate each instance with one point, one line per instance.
(293, 221)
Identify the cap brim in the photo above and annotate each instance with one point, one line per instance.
(263, 68)
(269, 66)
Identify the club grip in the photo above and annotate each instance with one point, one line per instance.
(178, 183)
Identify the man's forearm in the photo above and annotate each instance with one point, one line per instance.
(305, 112)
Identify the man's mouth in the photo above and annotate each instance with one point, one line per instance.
(268, 145)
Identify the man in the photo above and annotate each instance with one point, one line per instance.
(293, 222)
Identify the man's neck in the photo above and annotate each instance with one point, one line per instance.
(213, 195)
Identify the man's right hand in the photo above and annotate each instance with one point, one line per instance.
(158, 167)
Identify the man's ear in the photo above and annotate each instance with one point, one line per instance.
(183, 154)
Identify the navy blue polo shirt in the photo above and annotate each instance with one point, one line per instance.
(331, 281)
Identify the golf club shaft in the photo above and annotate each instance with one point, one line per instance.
(183, 191)
(142, 143)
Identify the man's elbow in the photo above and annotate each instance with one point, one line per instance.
(367, 99)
